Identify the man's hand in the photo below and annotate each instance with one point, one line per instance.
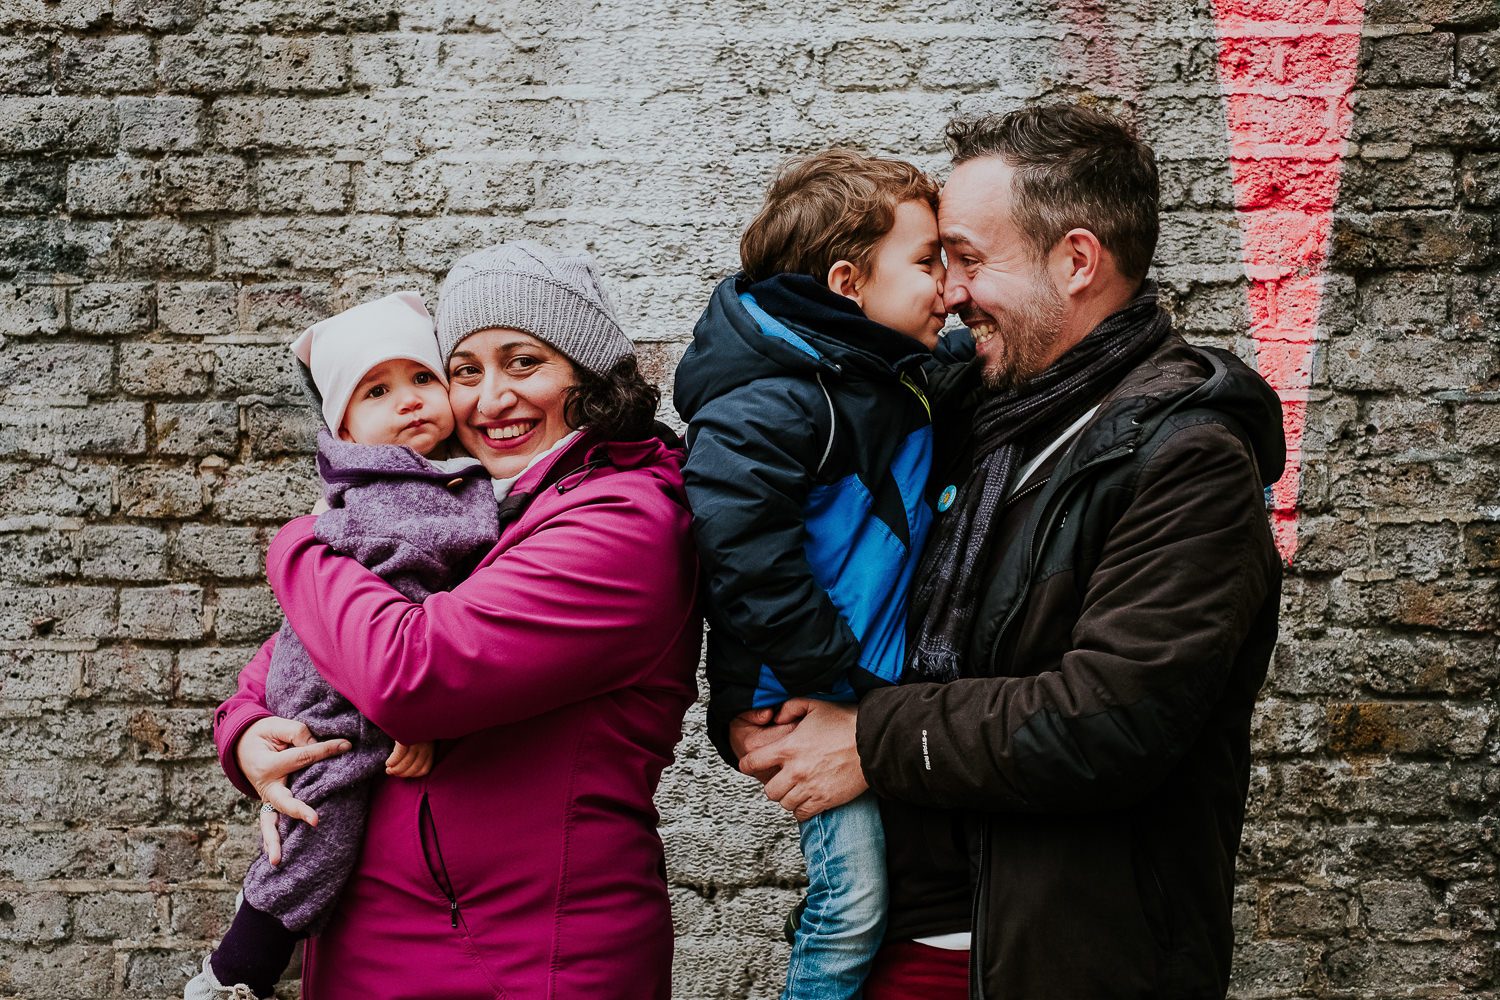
(413, 761)
(753, 730)
(816, 766)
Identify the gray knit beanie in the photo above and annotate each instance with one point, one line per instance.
(526, 286)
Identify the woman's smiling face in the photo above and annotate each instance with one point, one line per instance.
(508, 390)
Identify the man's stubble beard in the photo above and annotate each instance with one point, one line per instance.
(1027, 333)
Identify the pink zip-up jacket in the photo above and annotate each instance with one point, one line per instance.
(527, 864)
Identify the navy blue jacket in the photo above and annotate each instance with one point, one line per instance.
(809, 448)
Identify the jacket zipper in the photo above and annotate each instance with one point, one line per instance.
(976, 970)
(976, 939)
(1031, 542)
(440, 878)
(907, 381)
(1023, 491)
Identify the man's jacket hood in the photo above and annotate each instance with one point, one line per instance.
(1182, 377)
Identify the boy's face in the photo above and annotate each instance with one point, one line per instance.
(903, 281)
(399, 402)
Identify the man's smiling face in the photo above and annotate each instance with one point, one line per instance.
(995, 283)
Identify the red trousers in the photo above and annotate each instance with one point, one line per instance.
(905, 970)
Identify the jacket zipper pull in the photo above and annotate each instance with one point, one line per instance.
(453, 912)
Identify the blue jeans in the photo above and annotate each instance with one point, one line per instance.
(842, 926)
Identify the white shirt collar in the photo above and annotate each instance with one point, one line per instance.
(504, 486)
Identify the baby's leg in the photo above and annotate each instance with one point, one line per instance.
(282, 903)
(317, 861)
(840, 930)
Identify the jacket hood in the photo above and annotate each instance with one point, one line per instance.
(344, 462)
(1180, 376)
(787, 324)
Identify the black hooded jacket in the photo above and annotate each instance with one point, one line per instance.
(1085, 779)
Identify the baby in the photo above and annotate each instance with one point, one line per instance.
(420, 523)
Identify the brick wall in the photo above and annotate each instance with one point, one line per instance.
(184, 184)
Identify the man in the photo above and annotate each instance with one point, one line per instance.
(1063, 778)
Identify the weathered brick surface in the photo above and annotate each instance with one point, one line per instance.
(185, 184)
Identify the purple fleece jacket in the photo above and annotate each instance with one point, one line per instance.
(423, 527)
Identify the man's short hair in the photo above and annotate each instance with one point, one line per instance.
(1075, 168)
(830, 206)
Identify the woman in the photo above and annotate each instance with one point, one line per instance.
(527, 864)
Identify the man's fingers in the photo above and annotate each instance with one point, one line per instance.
(766, 735)
(780, 785)
(755, 717)
(764, 759)
(763, 776)
(270, 837)
(793, 710)
(795, 802)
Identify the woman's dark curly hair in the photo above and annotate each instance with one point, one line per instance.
(618, 406)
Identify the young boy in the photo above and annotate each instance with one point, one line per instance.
(810, 443)
(422, 525)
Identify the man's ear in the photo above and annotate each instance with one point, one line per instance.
(845, 279)
(1078, 261)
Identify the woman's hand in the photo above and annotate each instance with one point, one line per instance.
(268, 751)
(413, 761)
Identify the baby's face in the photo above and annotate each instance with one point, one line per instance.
(399, 402)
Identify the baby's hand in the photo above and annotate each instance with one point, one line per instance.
(409, 761)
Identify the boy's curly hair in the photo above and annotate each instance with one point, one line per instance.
(830, 206)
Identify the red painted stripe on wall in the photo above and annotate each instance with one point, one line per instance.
(1287, 68)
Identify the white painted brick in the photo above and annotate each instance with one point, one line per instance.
(316, 186)
(310, 64)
